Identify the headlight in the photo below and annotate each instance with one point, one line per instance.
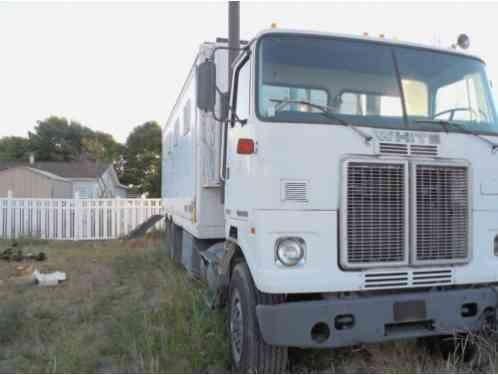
(290, 250)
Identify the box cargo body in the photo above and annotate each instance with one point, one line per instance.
(191, 186)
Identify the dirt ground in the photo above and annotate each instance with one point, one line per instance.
(126, 308)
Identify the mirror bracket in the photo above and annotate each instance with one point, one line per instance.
(236, 119)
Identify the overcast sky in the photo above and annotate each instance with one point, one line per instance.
(113, 66)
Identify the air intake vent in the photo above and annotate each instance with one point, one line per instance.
(432, 277)
(424, 150)
(399, 279)
(386, 280)
(393, 148)
(404, 149)
(295, 191)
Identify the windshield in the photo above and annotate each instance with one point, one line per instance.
(440, 86)
(370, 84)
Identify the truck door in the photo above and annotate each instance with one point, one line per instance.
(236, 172)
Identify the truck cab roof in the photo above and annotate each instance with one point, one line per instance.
(371, 39)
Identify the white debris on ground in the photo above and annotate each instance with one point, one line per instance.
(48, 279)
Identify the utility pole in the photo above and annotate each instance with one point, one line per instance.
(233, 34)
(233, 51)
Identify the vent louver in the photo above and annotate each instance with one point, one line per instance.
(393, 148)
(386, 280)
(431, 277)
(405, 149)
(398, 279)
(424, 150)
(295, 191)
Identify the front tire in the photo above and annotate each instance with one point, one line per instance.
(249, 352)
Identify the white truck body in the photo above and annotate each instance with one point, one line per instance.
(191, 185)
(433, 192)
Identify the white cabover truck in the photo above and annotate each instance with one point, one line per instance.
(343, 190)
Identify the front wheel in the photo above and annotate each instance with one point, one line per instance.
(249, 352)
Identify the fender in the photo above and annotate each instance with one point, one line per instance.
(216, 264)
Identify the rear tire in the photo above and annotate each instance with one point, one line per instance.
(168, 240)
(176, 236)
(249, 352)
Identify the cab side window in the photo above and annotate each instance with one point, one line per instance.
(176, 132)
(186, 118)
(242, 90)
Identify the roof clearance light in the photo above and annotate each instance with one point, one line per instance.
(365, 34)
(274, 25)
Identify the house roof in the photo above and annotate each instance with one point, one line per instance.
(65, 169)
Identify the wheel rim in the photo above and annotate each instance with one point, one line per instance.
(236, 326)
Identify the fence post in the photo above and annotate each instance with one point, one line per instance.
(2, 219)
(76, 207)
(9, 214)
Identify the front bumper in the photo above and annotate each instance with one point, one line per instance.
(374, 318)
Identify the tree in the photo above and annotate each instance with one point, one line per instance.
(14, 148)
(143, 159)
(57, 139)
(102, 146)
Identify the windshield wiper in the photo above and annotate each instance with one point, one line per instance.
(327, 112)
(445, 124)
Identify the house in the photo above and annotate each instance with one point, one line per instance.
(82, 178)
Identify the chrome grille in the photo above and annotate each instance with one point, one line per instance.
(441, 213)
(375, 214)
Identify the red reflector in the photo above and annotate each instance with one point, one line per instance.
(245, 146)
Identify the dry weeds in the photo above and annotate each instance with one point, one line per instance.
(126, 308)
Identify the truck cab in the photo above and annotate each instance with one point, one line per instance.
(358, 191)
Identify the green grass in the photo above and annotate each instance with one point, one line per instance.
(126, 308)
(122, 309)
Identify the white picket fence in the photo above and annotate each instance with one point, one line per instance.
(75, 219)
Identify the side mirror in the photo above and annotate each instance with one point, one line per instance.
(206, 86)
